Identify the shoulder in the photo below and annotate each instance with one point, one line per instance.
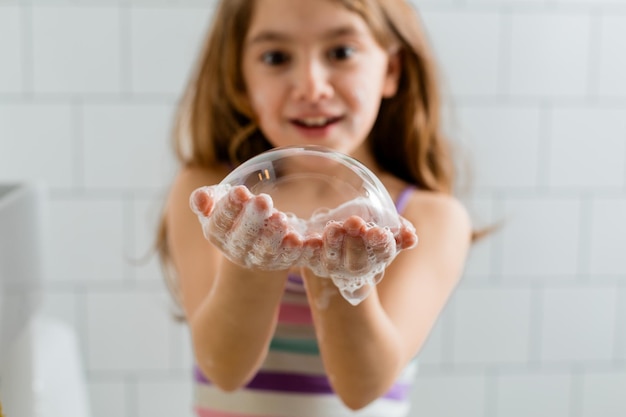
(189, 178)
(440, 213)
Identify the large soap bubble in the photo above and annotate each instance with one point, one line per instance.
(313, 186)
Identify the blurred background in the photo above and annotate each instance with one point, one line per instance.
(535, 103)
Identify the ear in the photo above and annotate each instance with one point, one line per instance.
(394, 69)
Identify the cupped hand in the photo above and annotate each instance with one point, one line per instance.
(246, 227)
(354, 248)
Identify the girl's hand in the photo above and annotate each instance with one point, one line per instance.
(246, 227)
(353, 249)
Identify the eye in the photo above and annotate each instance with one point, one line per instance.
(274, 58)
(341, 53)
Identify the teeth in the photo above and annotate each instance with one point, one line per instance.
(315, 121)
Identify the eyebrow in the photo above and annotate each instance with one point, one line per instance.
(274, 36)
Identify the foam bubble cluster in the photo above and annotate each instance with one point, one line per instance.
(298, 209)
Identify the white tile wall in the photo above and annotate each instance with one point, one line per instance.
(26, 146)
(160, 61)
(603, 394)
(612, 61)
(449, 395)
(537, 95)
(578, 324)
(86, 240)
(608, 237)
(491, 326)
(142, 130)
(583, 137)
(540, 237)
(512, 133)
(536, 394)
(123, 332)
(11, 78)
(549, 54)
(76, 50)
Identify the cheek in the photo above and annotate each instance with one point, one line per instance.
(364, 97)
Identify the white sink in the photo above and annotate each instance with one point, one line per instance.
(41, 372)
(21, 256)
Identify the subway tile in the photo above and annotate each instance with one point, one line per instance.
(127, 331)
(612, 62)
(608, 237)
(468, 56)
(491, 325)
(182, 347)
(540, 237)
(587, 137)
(549, 54)
(137, 156)
(146, 218)
(86, 240)
(578, 324)
(165, 43)
(503, 145)
(603, 394)
(61, 306)
(432, 349)
(449, 395)
(109, 398)
(479, 259)
(536, 394)
(620, 328)
(167, 398)
(41, 151)
(76, 49)
(11, 50)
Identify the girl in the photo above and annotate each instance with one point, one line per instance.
(354, 76)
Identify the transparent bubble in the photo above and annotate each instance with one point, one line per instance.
(316, 186)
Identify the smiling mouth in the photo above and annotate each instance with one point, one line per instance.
(315, 122)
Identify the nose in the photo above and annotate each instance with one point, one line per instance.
(311, 81)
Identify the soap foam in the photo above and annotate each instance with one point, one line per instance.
(254, 238)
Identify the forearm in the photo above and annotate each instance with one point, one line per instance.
(361, 349)
(232, 328)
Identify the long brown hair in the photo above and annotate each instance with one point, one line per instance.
(215, 125)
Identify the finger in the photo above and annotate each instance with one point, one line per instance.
(355, 254)
(278, 246)
(381, 244)
(406, 238)
(291, 249)
(333, 238)
(249, 224)
(354, 226)
(311, 258)
(202, 201)
(228, 209)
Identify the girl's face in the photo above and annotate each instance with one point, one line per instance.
(315, 74)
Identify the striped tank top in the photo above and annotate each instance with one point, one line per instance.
(292, 381)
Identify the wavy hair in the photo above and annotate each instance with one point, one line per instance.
(215, 125)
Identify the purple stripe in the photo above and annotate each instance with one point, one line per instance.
(295, 278)
(403, 198)
(303, 384)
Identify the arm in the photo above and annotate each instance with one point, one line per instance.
(365, 347)
(231, 310)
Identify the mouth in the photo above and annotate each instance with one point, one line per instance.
(315, 122)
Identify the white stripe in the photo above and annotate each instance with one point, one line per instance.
(313, 365)
(293, 362)
(292, 405)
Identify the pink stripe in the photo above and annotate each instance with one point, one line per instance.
(294, 314)
(205, 412)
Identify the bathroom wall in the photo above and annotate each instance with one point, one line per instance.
(536, 99)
